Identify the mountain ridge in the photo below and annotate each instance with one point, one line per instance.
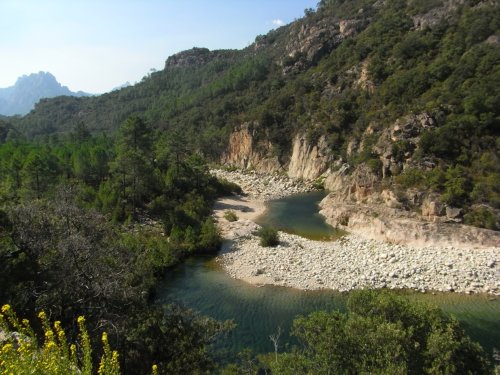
(20, 98)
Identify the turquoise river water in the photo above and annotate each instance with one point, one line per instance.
(201, 284)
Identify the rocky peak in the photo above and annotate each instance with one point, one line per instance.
(192, 57)
(28, 90)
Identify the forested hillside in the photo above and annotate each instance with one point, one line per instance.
(89, 224)
(405, 87)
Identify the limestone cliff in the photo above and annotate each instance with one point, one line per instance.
(245, 152)
(309, 161)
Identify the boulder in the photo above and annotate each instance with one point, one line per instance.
(432, 208)
(453, 213)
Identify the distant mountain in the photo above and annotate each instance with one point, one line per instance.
(126, 84)
(28, 90)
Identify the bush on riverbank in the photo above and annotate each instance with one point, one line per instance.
(230, 216)
(381, 332)
(269, 237)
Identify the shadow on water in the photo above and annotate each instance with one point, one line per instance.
(200, 284)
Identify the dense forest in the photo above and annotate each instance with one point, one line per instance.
(100, 196)
(89, 224)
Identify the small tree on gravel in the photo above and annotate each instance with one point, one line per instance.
(230, 216)
(268, 237)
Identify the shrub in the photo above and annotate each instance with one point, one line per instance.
(381, 333)
(230, 216)
(410, 177)
(481, 217)
(210, 239)
(319, 183)
(268, 237)
(225, 187)
(375, 165)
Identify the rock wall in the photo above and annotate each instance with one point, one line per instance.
(360, 204)
(379, 222)
(308, 161)
(245, 152)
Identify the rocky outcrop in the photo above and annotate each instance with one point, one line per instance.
(359, 204)
(380, 222)
(195, 57)
(245, 152)
(308, 42)
(357, 186)
(397, 143)
(309, 161)
(364, 82)
(435, 15)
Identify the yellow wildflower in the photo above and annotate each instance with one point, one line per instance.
(51, 345)
(42, 315)
(7, 348)
(80, 320)
(5, 308)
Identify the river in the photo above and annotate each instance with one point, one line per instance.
(201, 284)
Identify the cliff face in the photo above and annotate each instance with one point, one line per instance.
(309, 161)
(308, 42)
(245, 152)
(380, 222)
(358, 203)
(195, 57)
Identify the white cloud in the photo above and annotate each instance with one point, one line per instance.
(277, 22)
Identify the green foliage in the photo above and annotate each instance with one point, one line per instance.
(210, 239)
(269, 237)
(230, 216)
(400, 149)
(411, 177)
(482, 217)
(381, 333)
(59, 254)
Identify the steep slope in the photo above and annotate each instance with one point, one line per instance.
(396, 101)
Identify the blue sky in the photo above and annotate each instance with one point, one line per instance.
(96, 45)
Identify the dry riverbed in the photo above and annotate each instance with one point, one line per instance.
(349, 263)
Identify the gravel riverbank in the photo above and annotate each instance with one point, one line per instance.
(349, 263)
